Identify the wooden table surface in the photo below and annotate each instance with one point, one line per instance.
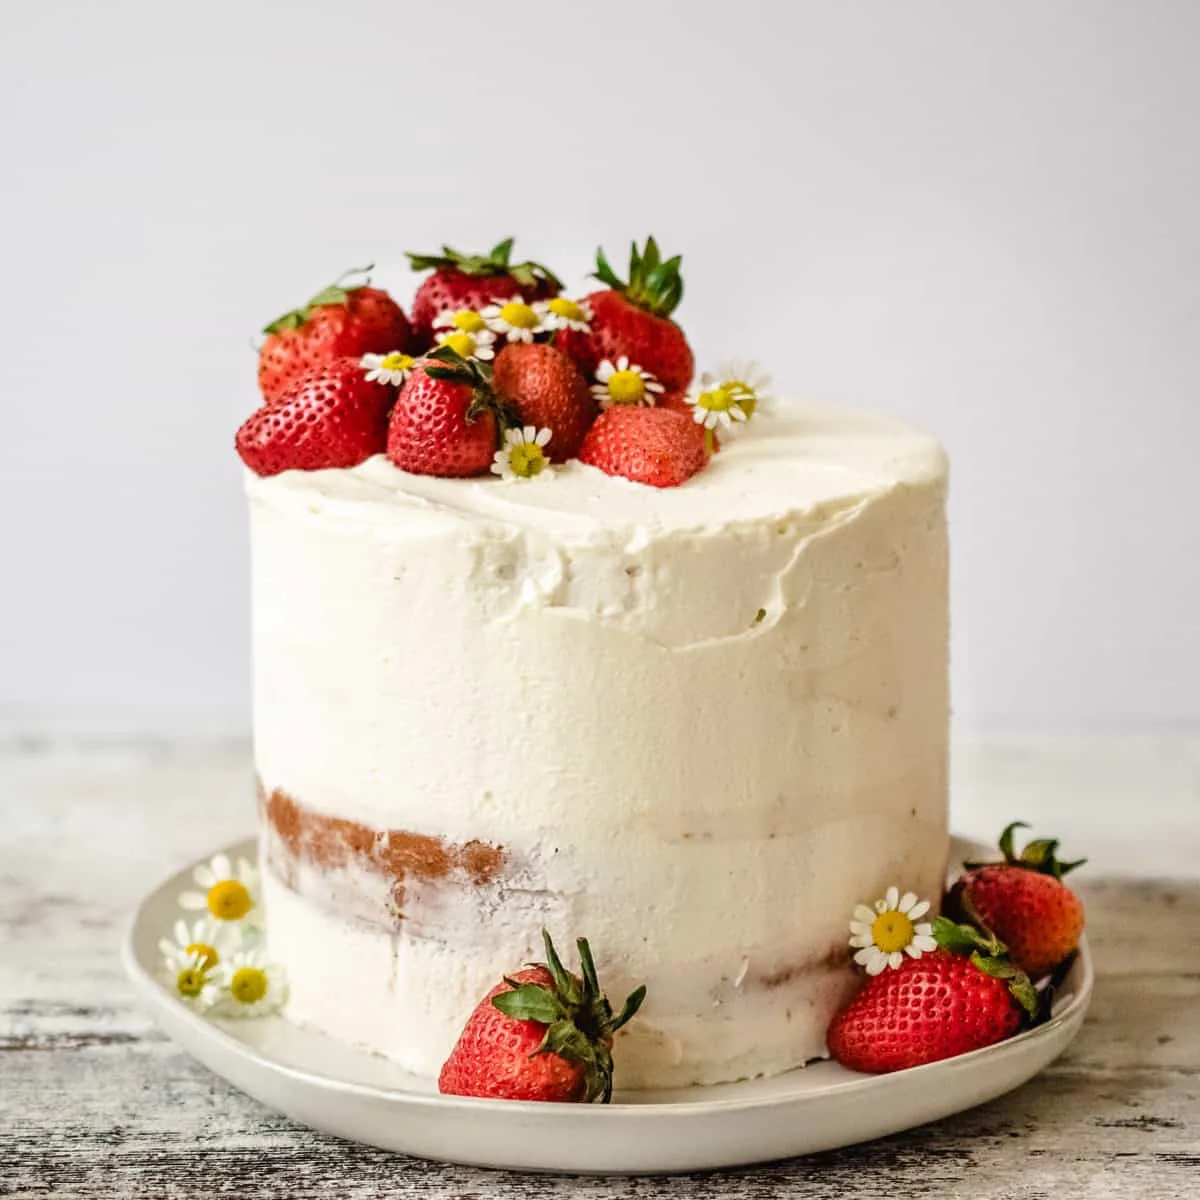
(95, 1102)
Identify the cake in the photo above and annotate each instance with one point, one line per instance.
(697, 724)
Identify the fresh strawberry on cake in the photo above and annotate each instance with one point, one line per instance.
(469, 283)
(630, 319)
(343, 320)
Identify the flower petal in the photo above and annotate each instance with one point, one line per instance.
(891, 898)
(906, 902)
(918, 910)
(864, 914)
(895, 959)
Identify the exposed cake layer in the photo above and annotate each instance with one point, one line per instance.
(695, 725)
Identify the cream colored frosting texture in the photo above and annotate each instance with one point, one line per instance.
(703, 723)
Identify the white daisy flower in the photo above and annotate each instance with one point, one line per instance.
(624, 382)
(391, 368)
(465, 319)
(523, 455)
(228, 893)
(744, 374)
(517, 320)
(717, 405)
(204, 938)
(194, 983)
(251, 985)
(560, 313)
(479, 344)
(883, 935)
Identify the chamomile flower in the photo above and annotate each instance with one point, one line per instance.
(251, 985)
(716, 405)
(204, 939)
(883, 935)
(523, 455)
(560, 313)
(516, 320)
(466, 320)
(624, 382)
(228, 892)
(391, 368)
(748, 379)
(194, 983)
(470, 344)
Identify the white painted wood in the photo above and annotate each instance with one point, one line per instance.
(94, 1102)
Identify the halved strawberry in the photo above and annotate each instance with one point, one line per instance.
(340, 321)
(471, 281)
(445, 418)
(654, 446)
(332, 416)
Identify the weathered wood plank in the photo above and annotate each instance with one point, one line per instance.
(94, 1102)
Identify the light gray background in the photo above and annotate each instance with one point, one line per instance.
(983, 218)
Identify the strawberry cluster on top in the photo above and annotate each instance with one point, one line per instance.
(495, 372)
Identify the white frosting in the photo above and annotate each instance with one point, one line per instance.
(702, 722)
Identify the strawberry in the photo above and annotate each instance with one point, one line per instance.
(1024, 902)
(332, 416)
(541, 1034)
(472, 281)
(547, 390)
(961, 997)
(654, 446)
(339, 321)
(445, 418)
(633, 319)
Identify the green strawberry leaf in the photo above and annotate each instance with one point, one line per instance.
(629, 1010)
(1040, 855)
(964, 939)
(501, 252)
(530, 1002)
(1006, 839)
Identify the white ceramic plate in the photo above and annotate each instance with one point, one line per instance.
(355, 1095)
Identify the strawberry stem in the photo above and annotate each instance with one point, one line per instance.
(578, 1017)
(654, 285)
(336, 293)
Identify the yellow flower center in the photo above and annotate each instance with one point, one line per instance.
(248, 985)
(518, 315)
(527, 460)
(463, 344)
(719, 399)
(626, 387)
(468, 321)
(396, 361)
(892, 931)
(190, 981)
(229, 900)
(744, 394)
(560, 306)
(208, 954)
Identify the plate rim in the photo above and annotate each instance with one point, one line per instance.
(150, 989)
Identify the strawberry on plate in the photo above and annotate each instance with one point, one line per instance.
(331, 416)
(963, 996)
(654, 446)
(1024, 902)
(471, 281)
(447, 417)
(540, 1034)
(633, 319)
(340, 321)
(547, 390)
